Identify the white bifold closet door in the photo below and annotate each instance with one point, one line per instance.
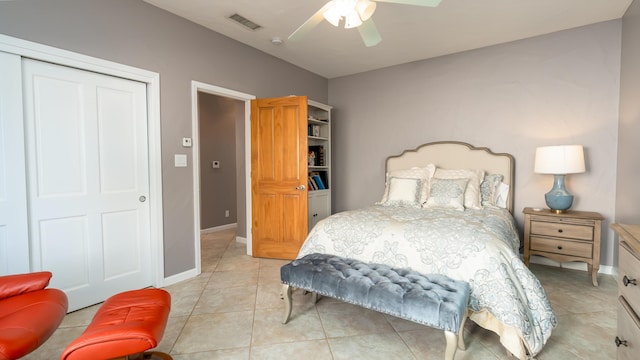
(14, 234)
(87, 180)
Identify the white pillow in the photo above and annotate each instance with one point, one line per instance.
(472, 192)
(447, 193)
(404, 192)
(424, 173)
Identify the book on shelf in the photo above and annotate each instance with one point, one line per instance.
(313, 130)
(312, 184)
(319, 182)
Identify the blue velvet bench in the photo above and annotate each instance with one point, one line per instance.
(433, 300)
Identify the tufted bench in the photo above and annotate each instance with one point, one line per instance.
(126, 324)
(433, 300)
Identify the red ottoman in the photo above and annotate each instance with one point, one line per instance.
(126, 325)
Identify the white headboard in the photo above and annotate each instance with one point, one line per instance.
(458, 155)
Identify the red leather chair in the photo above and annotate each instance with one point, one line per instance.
(29, 313)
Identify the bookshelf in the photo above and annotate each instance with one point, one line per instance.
(319, 161)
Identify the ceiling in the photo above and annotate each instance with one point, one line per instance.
(409, 33)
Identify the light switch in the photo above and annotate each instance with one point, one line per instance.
(186, 142)
(215, 164)
(180, 160)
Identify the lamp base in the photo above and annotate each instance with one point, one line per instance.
(558, 199)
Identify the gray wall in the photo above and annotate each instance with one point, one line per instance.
(560, 88)
(135, 33)
(627, 189)
(217, 129)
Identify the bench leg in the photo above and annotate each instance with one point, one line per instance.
(455, 341)
(286, 291)
(461, 344)
(452, 345)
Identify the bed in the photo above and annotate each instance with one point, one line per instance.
(447, 209)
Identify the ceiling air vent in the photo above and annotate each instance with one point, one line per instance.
(245, 22)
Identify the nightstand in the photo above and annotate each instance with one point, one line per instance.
(569, 236)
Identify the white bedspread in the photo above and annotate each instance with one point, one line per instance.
(477, 246)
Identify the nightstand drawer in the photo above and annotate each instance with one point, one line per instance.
(629, 268)
(569, 248)
(569, 231)
(628, 330)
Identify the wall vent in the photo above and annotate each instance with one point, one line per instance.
(245, 22)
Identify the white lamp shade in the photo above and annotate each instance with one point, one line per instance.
(562, 159)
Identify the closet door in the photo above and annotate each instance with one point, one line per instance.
(14, 237)
(88, 180)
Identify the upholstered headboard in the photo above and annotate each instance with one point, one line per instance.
(458, 155)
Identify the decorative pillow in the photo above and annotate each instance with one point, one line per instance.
(447, 193)
(404, 192)
(424, 173)
(472, 192)
(502, 195)
(489, 189)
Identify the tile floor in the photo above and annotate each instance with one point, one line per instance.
(233, 311)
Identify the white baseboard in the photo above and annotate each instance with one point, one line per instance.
(174, 279)
(604, 269)
(241, 240)
(219, 228)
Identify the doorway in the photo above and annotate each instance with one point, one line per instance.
(205, 175)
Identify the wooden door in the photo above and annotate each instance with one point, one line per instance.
(88, 181)
(278, 176)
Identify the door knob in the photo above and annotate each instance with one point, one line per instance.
(142, 198)
(301, 187)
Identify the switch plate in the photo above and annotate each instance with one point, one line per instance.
(215, 164)
(186, 142)
(180, 160)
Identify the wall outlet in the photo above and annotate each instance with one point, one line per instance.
(186, 142)
(226, 213)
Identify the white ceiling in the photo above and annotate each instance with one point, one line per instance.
(409, 33)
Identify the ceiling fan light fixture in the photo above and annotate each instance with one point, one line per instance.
(333, 14)
(365, 9)
(352, 20)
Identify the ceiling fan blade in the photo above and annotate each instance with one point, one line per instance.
(308, 25)
(431, 3)
(369, 33)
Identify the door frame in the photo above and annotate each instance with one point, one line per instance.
(62, 57)
(197, 87)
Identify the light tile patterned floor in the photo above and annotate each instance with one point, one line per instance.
(233, 311)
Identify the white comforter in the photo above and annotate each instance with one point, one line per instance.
(477, 246)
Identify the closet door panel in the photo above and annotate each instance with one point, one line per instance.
(88, 180)
(14, 240)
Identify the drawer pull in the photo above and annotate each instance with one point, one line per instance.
(559, 247)
(626, 281)
(560, 230)
(620, 342)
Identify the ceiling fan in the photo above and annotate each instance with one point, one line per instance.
(356, 14)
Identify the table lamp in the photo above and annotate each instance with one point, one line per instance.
(559, 161)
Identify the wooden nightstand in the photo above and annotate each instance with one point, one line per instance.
(569, 236)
